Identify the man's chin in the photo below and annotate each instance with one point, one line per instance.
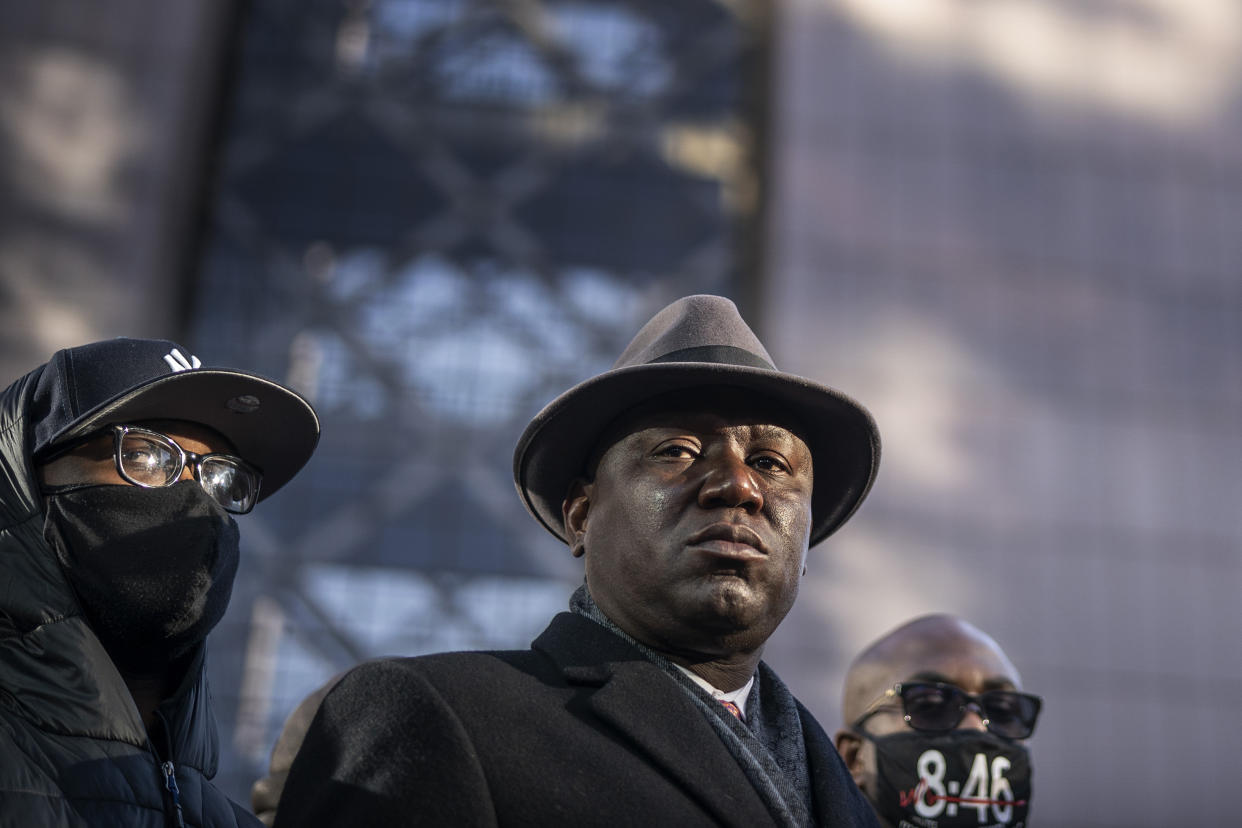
(728, 607)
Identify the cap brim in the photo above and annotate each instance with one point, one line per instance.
(553, 450)
(278, 435)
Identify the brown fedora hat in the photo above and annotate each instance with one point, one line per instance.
(697, 341)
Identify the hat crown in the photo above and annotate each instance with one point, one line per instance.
(697, 342)
(698, 328)
(78, 380)
(85, 388)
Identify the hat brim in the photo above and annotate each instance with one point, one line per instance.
(553, 450)
(278, 435)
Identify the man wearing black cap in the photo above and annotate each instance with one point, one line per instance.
(120, 463)
(691, 478)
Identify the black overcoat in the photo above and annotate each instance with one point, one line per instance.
(580, 730)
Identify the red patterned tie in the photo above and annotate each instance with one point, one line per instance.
(732, 708)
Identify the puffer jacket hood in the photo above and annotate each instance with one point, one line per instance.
(75, 751)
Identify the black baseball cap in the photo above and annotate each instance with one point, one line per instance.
(124, 380)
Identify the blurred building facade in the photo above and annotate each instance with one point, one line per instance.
(1012, 232)
(432, 217)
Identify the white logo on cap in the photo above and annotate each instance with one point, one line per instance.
(178, 362)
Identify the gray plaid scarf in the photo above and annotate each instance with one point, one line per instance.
(769, 746)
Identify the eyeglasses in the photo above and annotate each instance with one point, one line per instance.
(152, 460)
(936, 707)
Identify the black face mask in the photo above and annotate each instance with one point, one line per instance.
(960, 778)
(153, 568)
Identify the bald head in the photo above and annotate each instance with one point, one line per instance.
(929, 648)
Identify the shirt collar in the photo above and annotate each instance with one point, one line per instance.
(737, 696)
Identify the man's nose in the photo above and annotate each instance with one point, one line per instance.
(973, 720)
(730, 482)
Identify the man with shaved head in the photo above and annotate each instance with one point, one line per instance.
(935, 727)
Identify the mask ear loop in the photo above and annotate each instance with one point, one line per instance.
(862, 734)
(63, 488)
(58, 452)
(64, 448)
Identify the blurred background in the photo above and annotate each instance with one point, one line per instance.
(1011, 229)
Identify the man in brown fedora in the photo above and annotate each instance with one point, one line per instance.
(691, 478)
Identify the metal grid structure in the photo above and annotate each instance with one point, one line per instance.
(431, 217)
(1031, 281)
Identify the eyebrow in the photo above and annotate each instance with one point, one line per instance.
(991, 683)
(769, 430)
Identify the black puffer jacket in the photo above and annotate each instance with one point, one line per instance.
(73, 749)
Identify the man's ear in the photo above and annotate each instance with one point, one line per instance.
(849, 745)
(574, 509)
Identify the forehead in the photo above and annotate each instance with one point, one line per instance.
(970, 662)
(190, 435)
(708, 409)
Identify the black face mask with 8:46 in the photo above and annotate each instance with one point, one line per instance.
(946, 780)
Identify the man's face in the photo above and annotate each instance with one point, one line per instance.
(938, 650)
(972, 669)
(696, 525)
(94, 461)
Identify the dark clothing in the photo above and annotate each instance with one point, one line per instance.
(580, 730)
(769, 746)
(73, 748)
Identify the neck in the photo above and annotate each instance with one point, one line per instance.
(148, 691)
(725, 668)
(725, 673)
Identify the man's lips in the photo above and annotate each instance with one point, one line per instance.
(729, 540)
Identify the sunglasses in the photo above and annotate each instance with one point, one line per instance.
(153, 460)
(936, 707)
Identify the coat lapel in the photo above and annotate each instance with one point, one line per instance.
(837, 799)
(640, 700)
